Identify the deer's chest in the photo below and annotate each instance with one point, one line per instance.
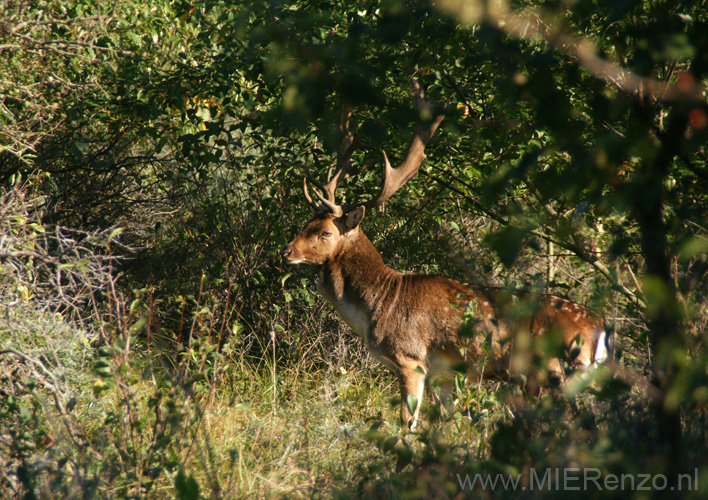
(353, 313)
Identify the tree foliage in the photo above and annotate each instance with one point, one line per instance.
(571, 160)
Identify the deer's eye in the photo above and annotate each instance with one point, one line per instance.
(325, 234)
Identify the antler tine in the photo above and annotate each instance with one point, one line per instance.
(311, 178)
(395, 178)
(344, 168)
(336, 209)
(307, 194)
(346, 149)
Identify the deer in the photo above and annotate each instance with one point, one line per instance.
(411, 322)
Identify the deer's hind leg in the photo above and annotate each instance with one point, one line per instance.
(445, 364)
(411, 376)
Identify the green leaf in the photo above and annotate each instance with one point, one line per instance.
(412, 403)
(115, 233)
(405, 457)
(693, 248)
(186, 487)
(135, 38)
(284, 279)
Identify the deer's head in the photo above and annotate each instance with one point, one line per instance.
(333, 223)
(323, 236)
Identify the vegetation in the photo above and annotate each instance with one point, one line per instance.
(152, 345)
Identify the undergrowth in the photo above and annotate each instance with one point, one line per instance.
(85, 419)
(116, 393)
(114, 421)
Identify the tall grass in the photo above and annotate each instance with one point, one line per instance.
(205, 396)
(93, 417)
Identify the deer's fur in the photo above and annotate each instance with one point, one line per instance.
(410, 322)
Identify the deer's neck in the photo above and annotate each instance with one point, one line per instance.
(355, 280)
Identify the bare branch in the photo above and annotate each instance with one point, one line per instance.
(529, 25)
(57, 268)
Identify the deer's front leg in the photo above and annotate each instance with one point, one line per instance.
(412, 379)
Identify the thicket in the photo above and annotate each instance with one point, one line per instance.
(152, 343)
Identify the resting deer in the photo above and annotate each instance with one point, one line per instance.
(410, 322)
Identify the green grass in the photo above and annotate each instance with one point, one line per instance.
(84, 420)
(132, 426)
(304, 442)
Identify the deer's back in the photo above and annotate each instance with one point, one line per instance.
(420, 314)
(417, 313)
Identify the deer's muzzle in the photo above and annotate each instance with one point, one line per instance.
(292, 255)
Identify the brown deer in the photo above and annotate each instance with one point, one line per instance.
(410, 322)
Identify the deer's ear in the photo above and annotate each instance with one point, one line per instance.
(354, 217)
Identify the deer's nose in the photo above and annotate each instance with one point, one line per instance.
(288, 251)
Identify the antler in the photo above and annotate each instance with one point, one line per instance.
(394, 178)
(344, 166)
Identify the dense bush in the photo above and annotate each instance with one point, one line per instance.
(152, 343)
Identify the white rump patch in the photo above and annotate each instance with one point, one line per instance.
(601, 348)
